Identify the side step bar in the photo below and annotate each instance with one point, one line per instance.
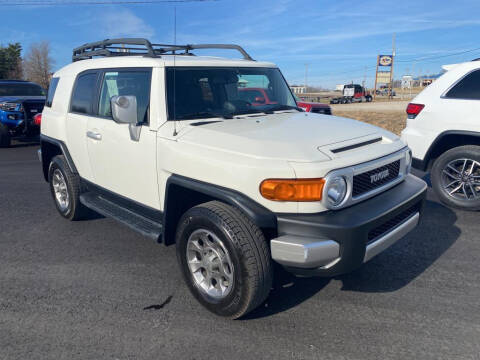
(144, 226)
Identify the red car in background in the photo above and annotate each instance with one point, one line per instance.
(260, 96)
(313, 107)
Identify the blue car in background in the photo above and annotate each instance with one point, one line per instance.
(20, 101)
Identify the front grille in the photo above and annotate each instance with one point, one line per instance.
(33, 108)
(379, 231)
(389, 225)
(326, 111)
(9, 107)
(371, 180)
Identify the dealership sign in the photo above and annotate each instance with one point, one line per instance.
(383, 77)
(384, 72)
(385, 60)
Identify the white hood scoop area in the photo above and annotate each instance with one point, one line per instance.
(337, 150)
(357, 145)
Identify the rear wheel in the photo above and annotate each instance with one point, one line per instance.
(65, 189)
(456, 177)
(224, 259)
(4, 136)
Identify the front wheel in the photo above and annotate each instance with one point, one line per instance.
(4, 136)
(456, 177)
(224, 259)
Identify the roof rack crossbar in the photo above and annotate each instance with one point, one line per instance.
(245, 55)
(116, 47)
(104, 47)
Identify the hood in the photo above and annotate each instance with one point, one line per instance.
(282, 136)
(21, 98)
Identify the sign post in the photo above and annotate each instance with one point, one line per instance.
(384, 76)
(376, 73)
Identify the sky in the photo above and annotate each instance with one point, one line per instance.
(338, 41)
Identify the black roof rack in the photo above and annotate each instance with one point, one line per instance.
(477, 59)
(132, 47)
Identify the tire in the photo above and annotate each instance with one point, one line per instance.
(241, 244)
(447, 170)
(4, 136)
(58, 173)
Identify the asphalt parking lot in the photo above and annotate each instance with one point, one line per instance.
(96, 290)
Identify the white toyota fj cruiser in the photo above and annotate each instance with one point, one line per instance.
(161, 140)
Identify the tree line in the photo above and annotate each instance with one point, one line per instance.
(36, 65)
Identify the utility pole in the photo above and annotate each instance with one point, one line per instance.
(364, 77)
(390, 95)
(306, 77)
(376, 77)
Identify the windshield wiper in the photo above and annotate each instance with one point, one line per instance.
(249, 111)
(281, 107)
(203, 115)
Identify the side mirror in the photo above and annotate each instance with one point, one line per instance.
(260, 99)
(124, 111)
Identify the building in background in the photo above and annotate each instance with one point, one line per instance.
(298, 89)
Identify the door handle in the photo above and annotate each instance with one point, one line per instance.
(94, 135)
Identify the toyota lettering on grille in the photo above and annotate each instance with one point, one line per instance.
(379, 176)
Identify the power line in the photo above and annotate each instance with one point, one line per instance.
(440, 56)
(95, 2)
(352, 71)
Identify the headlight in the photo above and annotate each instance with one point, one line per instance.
(408, 161)
(336, 190)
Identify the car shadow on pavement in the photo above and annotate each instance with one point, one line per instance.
(389, 271)
(288, 291)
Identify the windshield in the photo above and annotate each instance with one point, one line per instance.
(21, 90)
(204, 92)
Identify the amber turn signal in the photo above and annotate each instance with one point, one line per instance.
(292, 189)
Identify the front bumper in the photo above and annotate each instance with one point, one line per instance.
(17, 121)
(337, 242)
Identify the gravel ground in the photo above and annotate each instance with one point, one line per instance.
(96, 290)
(389, 114)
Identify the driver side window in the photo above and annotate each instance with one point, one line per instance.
(126, 82)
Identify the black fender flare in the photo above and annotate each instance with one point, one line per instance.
(260, 215)
(423, 164)
(64, 150)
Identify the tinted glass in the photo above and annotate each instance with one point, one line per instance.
(249, 95)
(83, 93)
(467, 88)
(21, 90)
(195, 93)
(51, 91)
(136, 83)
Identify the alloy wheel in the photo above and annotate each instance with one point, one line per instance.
(210, 264)
(461, 179)
(60, 189)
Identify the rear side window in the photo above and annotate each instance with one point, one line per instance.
(467, 88)
(51, 91)
(83, 93)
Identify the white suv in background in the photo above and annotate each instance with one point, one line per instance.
(162, 141)
(443, 131)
